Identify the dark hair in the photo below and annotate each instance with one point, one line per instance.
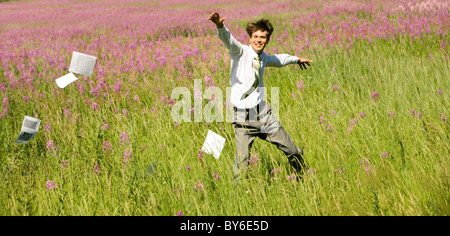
(263, 25)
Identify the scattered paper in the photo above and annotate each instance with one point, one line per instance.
(214, 144)
(66, 80)
(30, 127)
(82, 63)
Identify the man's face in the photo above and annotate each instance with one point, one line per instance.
(259, 40)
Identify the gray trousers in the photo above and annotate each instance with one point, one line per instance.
(260, 122)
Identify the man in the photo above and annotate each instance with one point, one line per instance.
(253, 117)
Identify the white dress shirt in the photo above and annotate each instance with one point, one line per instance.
(242, 74)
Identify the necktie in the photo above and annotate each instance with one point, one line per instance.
(256, 67)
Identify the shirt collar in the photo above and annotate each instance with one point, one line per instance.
(254, 54)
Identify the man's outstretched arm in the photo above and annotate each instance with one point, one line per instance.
(233, 46)
(280, 60)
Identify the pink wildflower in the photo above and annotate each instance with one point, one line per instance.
(209, 82)
(374, 95)
(47, 127)
(199, 186)
(96, 169)
(300, 84)
(50, 185)
(200, 154)
(274, 171)
(127, 156)
(65, 163)
(94, 106)
(170, 102)
(51, 146)
(107, 146)
(117, 86)
(67, 112)
(216, 176)
(124, 138)
(322, 119)
(291, 177)
(353, 122)
(310, 171)
(364, 162)
(254, 158)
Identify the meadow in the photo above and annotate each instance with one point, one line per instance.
(371, 113)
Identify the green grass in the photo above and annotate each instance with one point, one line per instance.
(412, 180)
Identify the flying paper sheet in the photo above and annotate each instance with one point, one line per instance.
(30, 127)
(213, 144)
(66, 80)
(82, 63)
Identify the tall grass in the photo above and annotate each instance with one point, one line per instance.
(367, 153)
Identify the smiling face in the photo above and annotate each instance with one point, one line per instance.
(259, 40)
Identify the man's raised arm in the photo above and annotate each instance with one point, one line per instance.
(233, 46)
(215, 18)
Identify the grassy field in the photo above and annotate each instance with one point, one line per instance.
(371, 113)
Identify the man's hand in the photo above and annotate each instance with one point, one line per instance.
(303, 62)
(215, 18)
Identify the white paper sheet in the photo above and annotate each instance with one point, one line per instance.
(82, 63)
(30, 127)
(214, 144)
(65, 80)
